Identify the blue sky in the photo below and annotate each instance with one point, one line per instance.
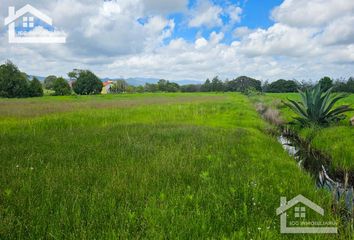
(192, 39)
(256, 14)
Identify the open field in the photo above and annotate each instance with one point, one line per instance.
(336, 141)
(185, 166)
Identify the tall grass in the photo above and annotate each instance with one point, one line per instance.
(170, 170)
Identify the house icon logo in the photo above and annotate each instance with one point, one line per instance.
(29, 25)
(300, 213)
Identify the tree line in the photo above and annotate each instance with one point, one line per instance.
(14, 83)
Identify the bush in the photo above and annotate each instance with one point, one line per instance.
(13, 83)
(35, 88)
(61, 87)
(86, 82)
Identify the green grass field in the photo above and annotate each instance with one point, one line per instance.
(336, 141)
(164, 166)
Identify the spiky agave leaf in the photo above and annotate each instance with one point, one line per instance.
(317, 107)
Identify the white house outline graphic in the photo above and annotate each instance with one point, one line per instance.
(13, 16)
(284, 206)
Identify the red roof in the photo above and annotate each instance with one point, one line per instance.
(107, 83)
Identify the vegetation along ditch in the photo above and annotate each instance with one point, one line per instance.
(316, 110)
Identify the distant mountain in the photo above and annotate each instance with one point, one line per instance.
(141, 81)
(41, 79)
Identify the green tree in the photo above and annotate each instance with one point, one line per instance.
(243, 83)
(350, 85)
(206, 87)
(282, 86)
(172, 87)
(119, 86)
(150, 87)
(35, 88)
(140, 89)
(49, 82)
(13, 83)
(162, 85)
(340, 85)
(61, 87)
(85, 82)
(217, 85)
(326, 83)
(191, 88)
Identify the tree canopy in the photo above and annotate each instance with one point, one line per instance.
(85, 82)
(282, 85)
(61, 87)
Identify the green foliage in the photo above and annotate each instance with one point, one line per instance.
(150, 87)
(350, 85)
(243, 83)
(317, 107)
(191, 88)
(139, 89)
(167, 86)
(13, 83)
(326, 83)
(61, 87)
(282, 86)
(49, 82)
(120, 86)
(252, 92)
(85, 82)
(35, 88)
(206, 87)
(216, 85)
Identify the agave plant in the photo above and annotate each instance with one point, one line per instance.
(317, 107)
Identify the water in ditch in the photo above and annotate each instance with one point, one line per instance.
(343, 194)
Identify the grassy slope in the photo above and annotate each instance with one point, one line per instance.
(160, 170)
(336, 141)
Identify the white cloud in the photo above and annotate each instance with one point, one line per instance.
(234, 13)
(309, 13)
(309, 39)
(206, 14)
(200, 43)
(165, 6)
(280, 39)
(241, 32)
(339, 31)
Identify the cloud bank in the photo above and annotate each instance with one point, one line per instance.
(130, 38)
